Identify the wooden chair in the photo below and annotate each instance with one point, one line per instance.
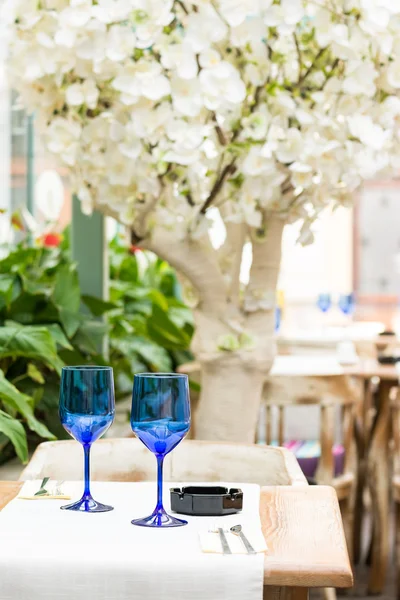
(127, 459)
(395, 399)
(331, 394)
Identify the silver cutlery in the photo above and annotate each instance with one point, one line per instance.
(237, 530)
(224, 541)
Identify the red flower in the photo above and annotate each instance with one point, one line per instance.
(133, 249)
(52, 240)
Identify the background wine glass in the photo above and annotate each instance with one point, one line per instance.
(86, 410)
(346, 303)
(160, 418)
(324, 302)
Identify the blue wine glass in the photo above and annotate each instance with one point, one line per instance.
(86, 410)
(278, 318)
(160, 418)
(324, 302)
(346, 303)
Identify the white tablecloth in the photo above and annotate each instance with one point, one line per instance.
(50, 554)
(305, 366)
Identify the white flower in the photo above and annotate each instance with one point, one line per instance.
(285, 15)
(290, 148)
(186, 96)
(236, 12)
(370, 134)
(120, 43)
(209, 58)
(360, 79)
(221, 84)
(256, 163)
(249, 31)
(256, 125)
(342, 45)
(63, 139)
(302, 174)
(82, 93)
(76, 16)
(111, 11)
(143, 79)
(323, 27)
(92, 45)
(181, 58)
(119, 169)
(393, 74)
(204, 28)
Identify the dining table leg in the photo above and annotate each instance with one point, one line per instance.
(272, 592)
(362, 430)
(378, 482)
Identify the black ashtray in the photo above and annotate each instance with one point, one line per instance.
(383, 359)
(206, 500)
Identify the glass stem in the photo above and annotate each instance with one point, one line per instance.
(86, 450)
(160, 462)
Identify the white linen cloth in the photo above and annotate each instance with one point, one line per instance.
(299, 365)
(50, 554)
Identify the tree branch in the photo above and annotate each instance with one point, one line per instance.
(296, 42)
(226, 171)
(183, 7)
(311, 67)
(221, 136)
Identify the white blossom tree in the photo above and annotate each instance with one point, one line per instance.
(267, 110)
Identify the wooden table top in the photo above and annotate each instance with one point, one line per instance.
(364, 368)
(368, 368)
(303, 530)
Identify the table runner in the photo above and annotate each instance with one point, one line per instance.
(49, 554)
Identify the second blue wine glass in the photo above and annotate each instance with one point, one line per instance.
(324, 302)
(87, 408)
(160, 418)
(346, 303)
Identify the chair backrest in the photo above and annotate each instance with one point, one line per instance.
(127, 459)
(328, 393)
(395, 425)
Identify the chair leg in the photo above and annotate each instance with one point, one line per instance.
(347, 512)
(329, 593)
(397, 530)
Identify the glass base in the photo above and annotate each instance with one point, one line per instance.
(87, 504)
(159, 519)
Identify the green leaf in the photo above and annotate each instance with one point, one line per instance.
(156, 357)
(97, 306)
(163, 331)
(34, 373)
(59, 336)
(22, 403)
(15, 432)
(194, 386)
(30, 342)
(66, 292)
(90, 335)
(70, 320)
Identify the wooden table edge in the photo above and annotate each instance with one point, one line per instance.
(314, 570)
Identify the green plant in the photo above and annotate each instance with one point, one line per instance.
(43, 327)
(150, 328)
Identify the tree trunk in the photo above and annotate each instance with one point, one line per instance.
(231, 379)
(232, 382)
(230, 400)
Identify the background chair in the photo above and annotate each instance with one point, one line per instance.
(322, 459)
(396, 476)
(127, 459)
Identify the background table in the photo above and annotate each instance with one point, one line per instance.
(304, 534)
